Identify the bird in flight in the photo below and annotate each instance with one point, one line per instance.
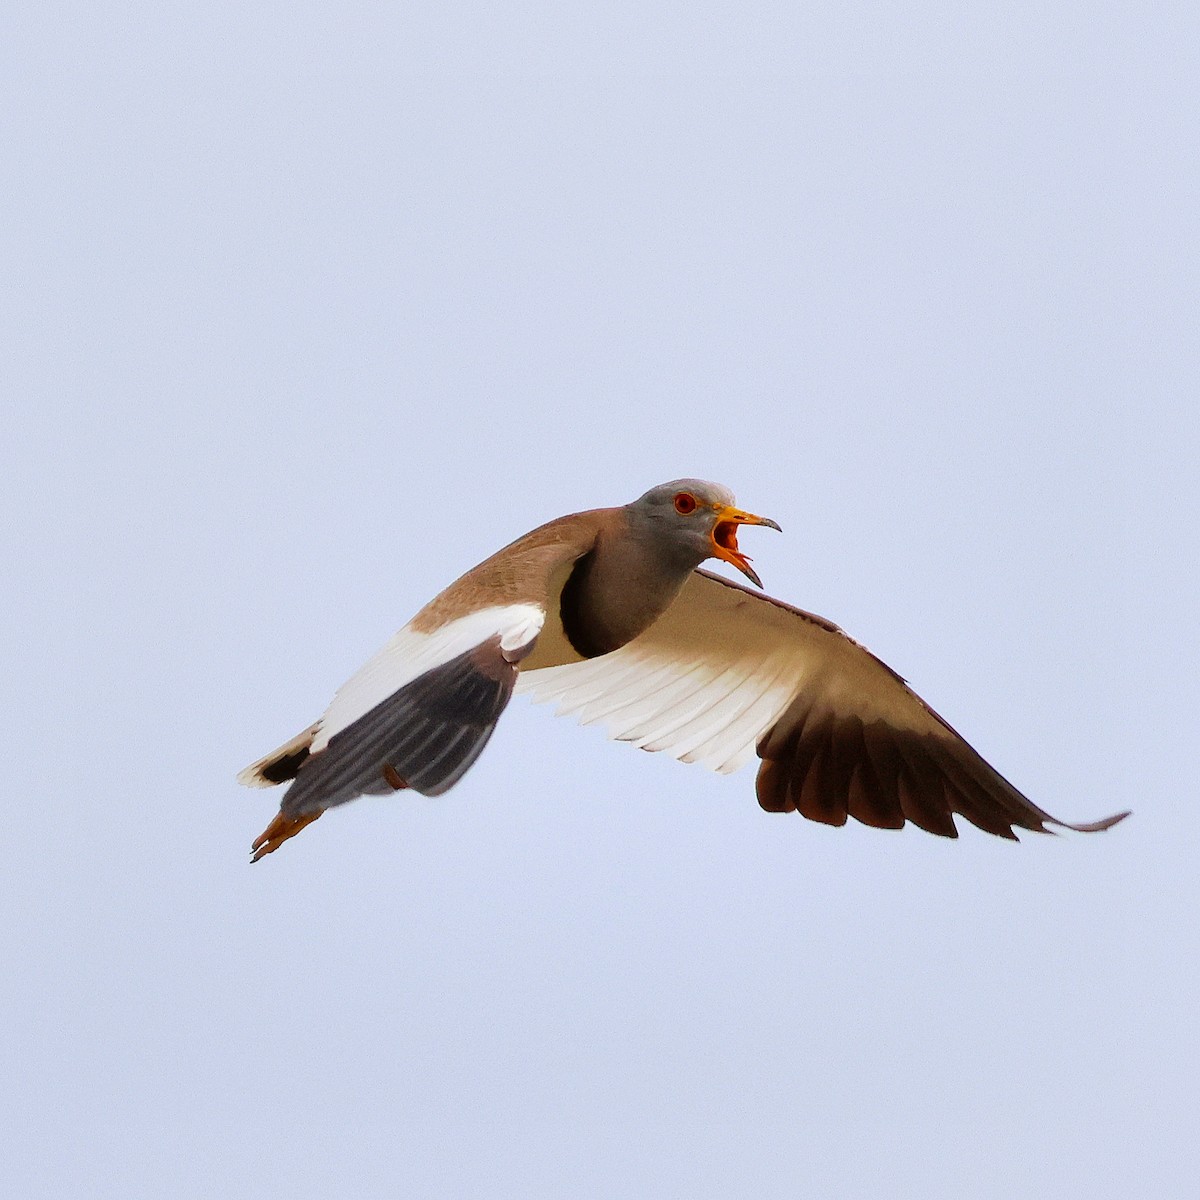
(607, 614)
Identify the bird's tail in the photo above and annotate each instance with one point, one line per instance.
(280, 765)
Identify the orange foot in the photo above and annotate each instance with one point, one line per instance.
(278, 832)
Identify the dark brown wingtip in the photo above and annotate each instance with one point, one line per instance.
(278, 832)
(1095, 826)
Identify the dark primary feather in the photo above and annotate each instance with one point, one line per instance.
(428, 733)
(829, 768)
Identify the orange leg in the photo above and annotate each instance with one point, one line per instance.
(279, 831)
(392, 778)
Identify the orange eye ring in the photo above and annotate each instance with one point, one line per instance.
(685, 503)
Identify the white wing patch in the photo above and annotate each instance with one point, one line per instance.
(409, 654)
(716, 672)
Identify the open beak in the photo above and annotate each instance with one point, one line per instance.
(724, 538)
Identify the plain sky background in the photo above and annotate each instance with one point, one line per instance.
(307, 309)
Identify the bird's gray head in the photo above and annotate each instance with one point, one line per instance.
(691, 519)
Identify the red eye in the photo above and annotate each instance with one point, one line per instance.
(685, 503)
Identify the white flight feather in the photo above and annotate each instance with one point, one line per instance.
(696, 737)
(716, 672)
(588, 697)
(597, 692)
(646, 714)
(732, 747)
(725, 699)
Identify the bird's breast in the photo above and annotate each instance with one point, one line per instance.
(613, 594)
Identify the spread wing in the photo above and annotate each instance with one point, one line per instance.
(416, 715)
(727, 671)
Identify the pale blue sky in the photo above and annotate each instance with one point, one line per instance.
(308, 309)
